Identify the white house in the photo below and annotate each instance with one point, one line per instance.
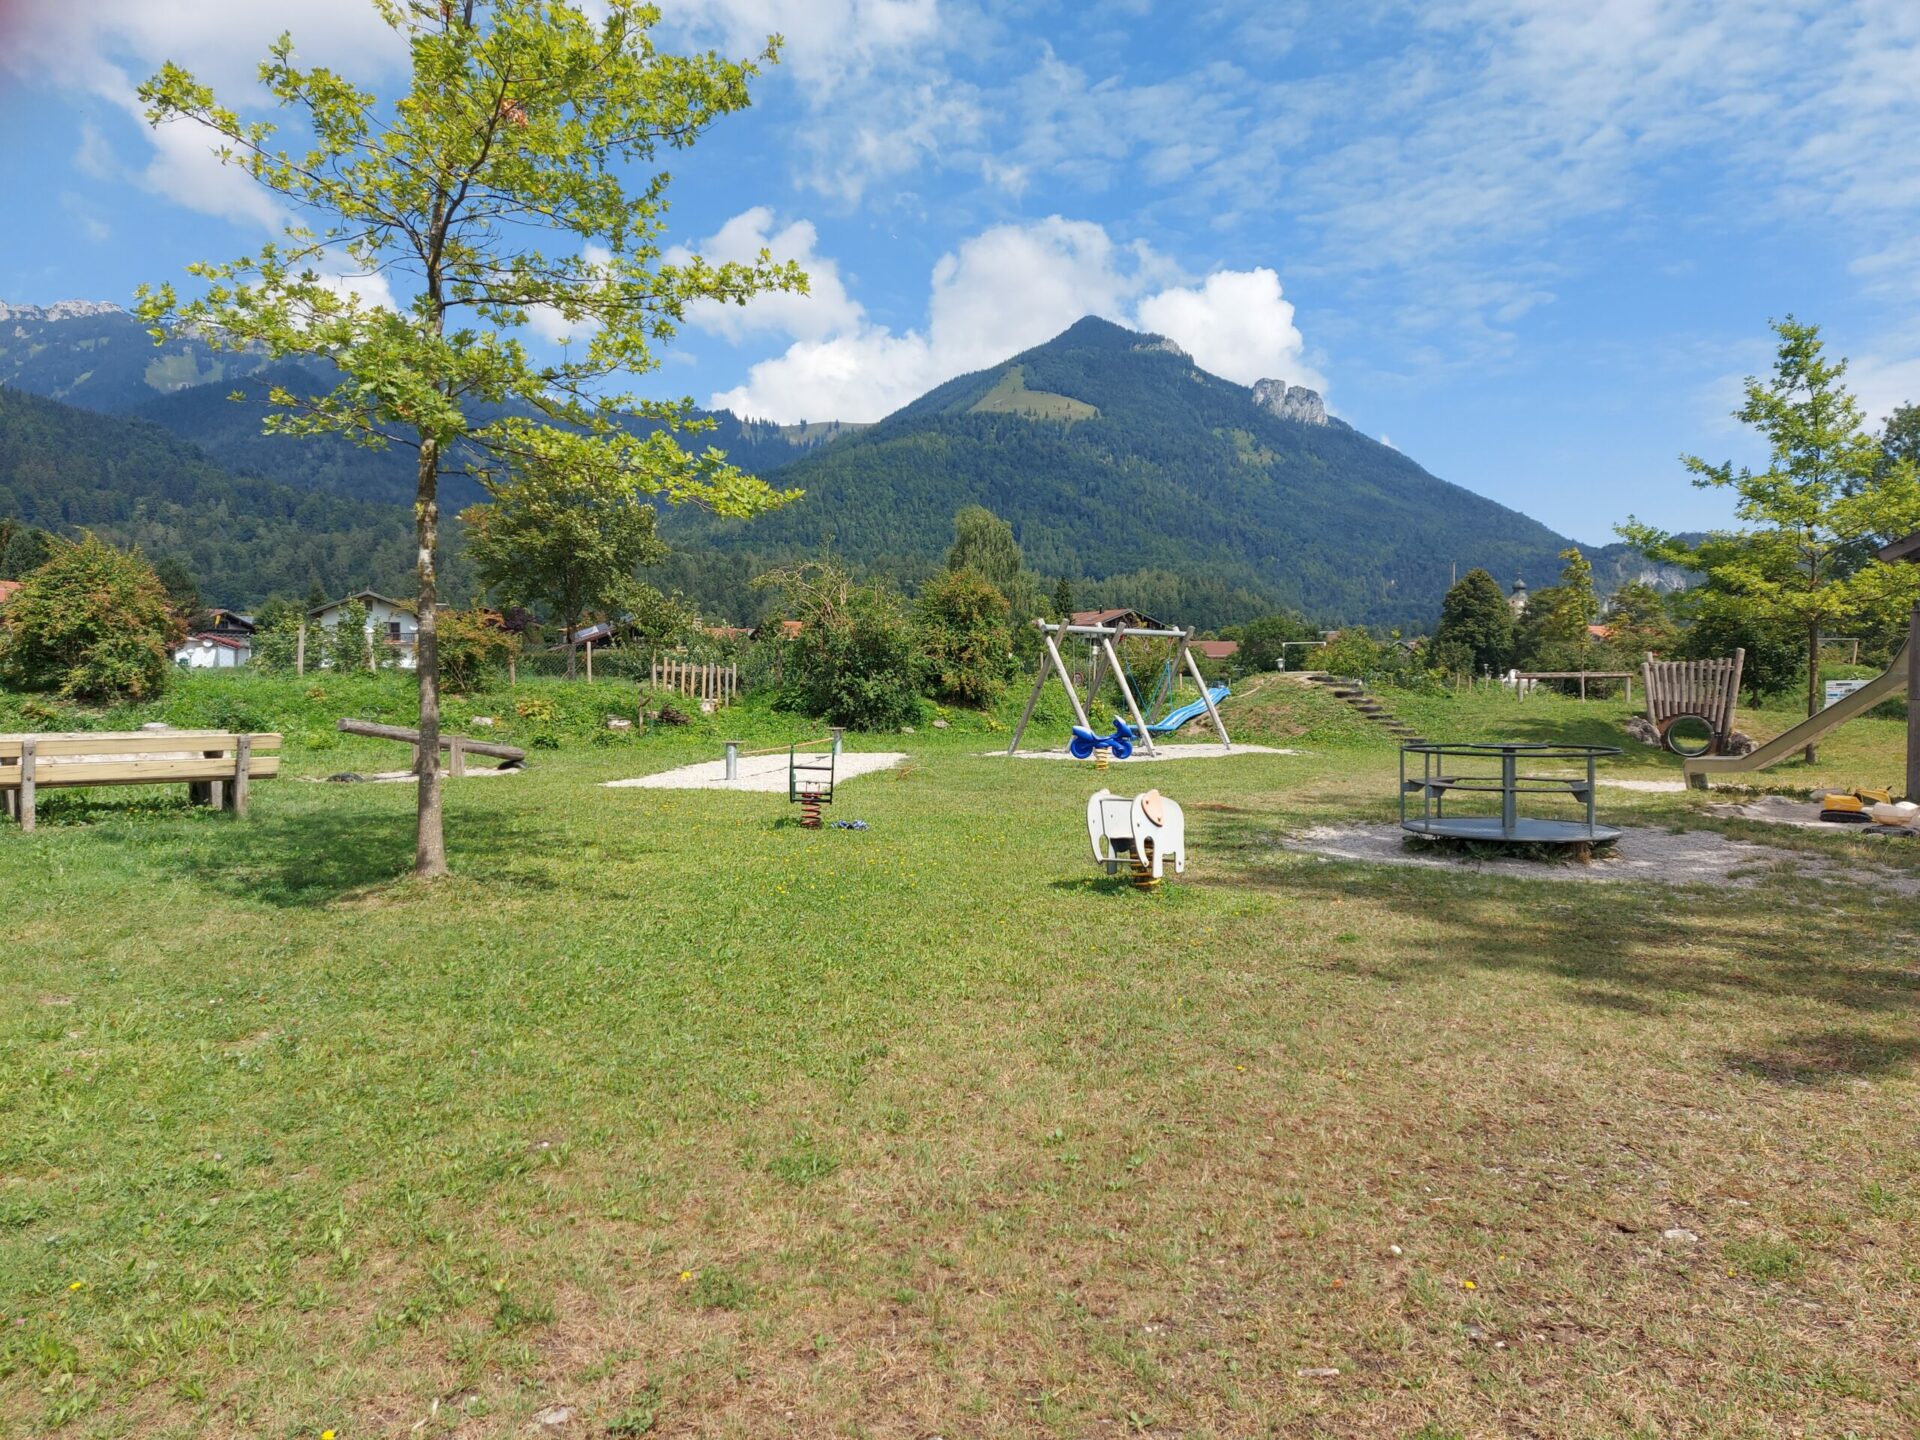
(208, 651)
(393, 627)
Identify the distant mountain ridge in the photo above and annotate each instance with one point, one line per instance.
(1146, 480)
(1121, 464)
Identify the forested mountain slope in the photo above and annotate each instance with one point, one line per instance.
(1113, 454)
(66, 469)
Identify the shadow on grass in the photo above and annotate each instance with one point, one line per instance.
(1620, 948)
(313, 858)
(1823, 1057)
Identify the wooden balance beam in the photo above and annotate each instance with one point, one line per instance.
(458, 747)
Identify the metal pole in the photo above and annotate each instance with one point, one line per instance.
(1133, 705)
(733, 761)
(839, 737)
(1509, 802)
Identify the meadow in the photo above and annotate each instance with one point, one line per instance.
(666, 1116)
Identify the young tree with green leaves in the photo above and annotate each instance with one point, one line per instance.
(349, 647)
(27, 549)
(572, 547)
(1824, 503)
(1476, 625)
(966, 636)
(493, 191)
(984, 544)
(91, 622)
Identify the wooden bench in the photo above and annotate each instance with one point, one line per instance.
(215, 765)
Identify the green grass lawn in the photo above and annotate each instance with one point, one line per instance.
(669, 1112)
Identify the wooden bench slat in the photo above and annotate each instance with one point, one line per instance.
(69, 774)
(157, 742)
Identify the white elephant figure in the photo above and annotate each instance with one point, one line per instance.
(1146, 828)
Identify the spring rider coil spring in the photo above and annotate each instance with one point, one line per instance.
(810, 811)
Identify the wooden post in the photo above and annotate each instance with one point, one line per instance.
(28, 747)
(512, 678)
(456, 756)
(1039, 684)
(1133, 705)
(1913, 705)
(1193, 668)
(242, 767)
(300, 649)
(1079, 712)
(589, 662)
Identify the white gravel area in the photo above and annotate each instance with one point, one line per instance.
(1212, 751)
(757, 772)
(1695, 857)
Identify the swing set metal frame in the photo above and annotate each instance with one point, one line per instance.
(1102, 638)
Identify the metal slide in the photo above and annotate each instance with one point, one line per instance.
(1808, 731)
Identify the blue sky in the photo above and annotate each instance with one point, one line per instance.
(1533, 244)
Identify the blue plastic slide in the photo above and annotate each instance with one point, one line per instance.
(1174, 719)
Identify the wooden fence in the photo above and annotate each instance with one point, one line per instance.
(718, 683)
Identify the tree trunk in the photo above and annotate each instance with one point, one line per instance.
(430, 848)
(1813, 679)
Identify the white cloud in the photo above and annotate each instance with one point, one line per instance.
(1235, 324)
(824, 311)
(828, 42)
(1005, 290)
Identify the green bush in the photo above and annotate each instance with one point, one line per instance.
(854, 662)
(93, 624)
(473, 644)
(966, 635)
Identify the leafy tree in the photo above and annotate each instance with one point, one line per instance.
(472, 643)
(276, 645)
(27, 550)
(984, 544)
(1817, 510)
(1552, 633)
(1264, 642)
(1900, 438)
(1720, 622)
(855, 661)
(1063, 597)
(93, 623)
(966, 636)
(348, 646)
(520, 121)
(1476, 625)
(1642, 623)
(183, 591)
(570, 544)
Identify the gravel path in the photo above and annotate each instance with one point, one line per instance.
(1696, 857)
(757, 772)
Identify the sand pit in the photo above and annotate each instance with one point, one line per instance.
(757, 772)
(1667, 857)
(1212, 751)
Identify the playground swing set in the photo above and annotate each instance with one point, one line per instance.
(1102, 641)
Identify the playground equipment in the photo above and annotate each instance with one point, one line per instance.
(1084, 744)
(458, 747)
(1137, 832)
(1897, 680)
(1699, 691)
(1445, 772)
(1102, 638)
(810, 780)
